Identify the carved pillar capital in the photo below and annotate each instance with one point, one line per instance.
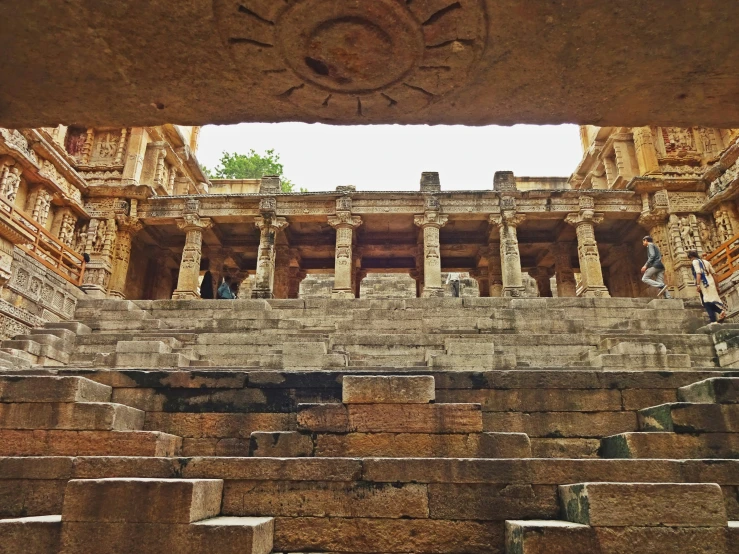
(344, 219)
(431, 219)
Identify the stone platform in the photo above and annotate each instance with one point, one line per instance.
(514, 426)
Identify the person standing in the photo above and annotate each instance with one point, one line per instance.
(224, 290)
(654, 270)
(703, 273)
(206, 286)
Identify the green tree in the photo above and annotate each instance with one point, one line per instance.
(251, 166)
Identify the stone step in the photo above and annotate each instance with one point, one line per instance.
(31, 535)
(12, 361)
(642, 362)
(671, 446)
(42, 349)
(81, 416)
(47, 339)
(644, 504)
(79, 329)
(719, 390)
(683, 417)
(157, 516)
(390, 418)
(87, 443)
(422, 445)
(388, 389)
(24, 389)
(555, 537)
(64, 335)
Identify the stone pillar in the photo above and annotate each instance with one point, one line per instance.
(100, 242)
(127, 228)
(135, 153)
(269, 225)
(510, 257)
(542, 276)
(39, 204)
(483, 280)
(281, 285)
(296, 277)
(187, 282)
(430, 223)
(646, 153)
(344, 223)
(591, 273)
(623, 157)
(565, 277)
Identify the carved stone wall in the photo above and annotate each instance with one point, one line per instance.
(39, 292)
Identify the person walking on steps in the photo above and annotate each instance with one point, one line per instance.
(703, 273)
(654, 271)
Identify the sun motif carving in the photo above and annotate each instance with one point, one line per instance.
(352, 58)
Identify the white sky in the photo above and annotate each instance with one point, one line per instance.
(392, 157)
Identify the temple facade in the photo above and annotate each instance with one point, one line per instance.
(128, 213)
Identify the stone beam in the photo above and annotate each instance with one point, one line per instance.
(473, 62)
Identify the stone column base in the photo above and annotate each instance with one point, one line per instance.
(342, 294)
(116, 294)
(185, 295)
(595, 292)
(94, 291)
(429, 292)
(261, 293)
(513, 292)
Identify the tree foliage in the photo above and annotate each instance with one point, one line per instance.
(251, 166)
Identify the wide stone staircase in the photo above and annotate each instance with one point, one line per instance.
(517, 426)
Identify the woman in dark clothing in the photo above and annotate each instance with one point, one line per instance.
(206, 287)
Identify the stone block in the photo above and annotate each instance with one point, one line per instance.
(30, 497)
(74, 326)
(565, 448)
(323, 418)
(415, 418)
(151, 360)
(24, 389)
(245, 535)
(423, 445)
(73, 416)
(504, 445)
(390, 389)
(691, 418)
(454, 362)
(31, 535)
(536, 400)
(304, 348)
(142, 500)
(642, 362)
(638, 348)
(462, 347)
(662, 540)
(561, 424)
(284, 444)
(87, 443)
(325, 499)
(670, 445)
(719, 390)
(492, 501)
(369, 535)
(218, 425)
(644, 504)
(549, 537)
(274, 469)
(147, 346)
